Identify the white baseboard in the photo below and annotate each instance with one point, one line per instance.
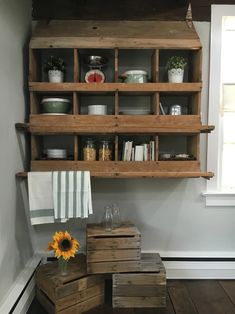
(194, 254)
(27, 298)
(19, 286)
(199, 270)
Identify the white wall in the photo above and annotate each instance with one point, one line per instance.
(16, 247)
(170, 213)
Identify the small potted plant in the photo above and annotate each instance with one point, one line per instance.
(55, 67)
(175, 66)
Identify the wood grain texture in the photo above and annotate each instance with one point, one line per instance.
(113, 255)
(145, 88)
(118, 34)
(145, 288)
(209, 297)
(77, 34)
(180, 298)
(113, 267)
(109, 169)
(229, 288)
(77, 291)
(110, 254)
(119, 124)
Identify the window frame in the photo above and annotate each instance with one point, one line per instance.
(214, 195)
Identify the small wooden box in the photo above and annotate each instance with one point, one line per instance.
(146, 288)
(114, 251)
(76, 292)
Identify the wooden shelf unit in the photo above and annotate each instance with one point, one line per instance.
(155, 40)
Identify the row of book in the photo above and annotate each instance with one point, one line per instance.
(142, 152)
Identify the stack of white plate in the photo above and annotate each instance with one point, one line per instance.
(135, 111)
(57, 153)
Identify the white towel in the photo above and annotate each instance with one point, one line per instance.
(40, 197)
(72, 194)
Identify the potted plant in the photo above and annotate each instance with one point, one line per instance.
(55, 68)
(175, 66)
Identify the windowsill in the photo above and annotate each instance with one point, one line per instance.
(219, 198)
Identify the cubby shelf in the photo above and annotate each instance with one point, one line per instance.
(144, 45)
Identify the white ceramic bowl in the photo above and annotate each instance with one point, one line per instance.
(97, 109)
(56, 153)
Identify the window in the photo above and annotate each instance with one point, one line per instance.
(221, 143)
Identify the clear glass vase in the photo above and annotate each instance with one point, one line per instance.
(63, 266)
(116, 215)
(108, 219)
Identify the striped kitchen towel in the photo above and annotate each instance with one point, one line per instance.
(40, 197)
(71, 194)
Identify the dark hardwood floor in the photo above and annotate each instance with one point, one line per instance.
(183, 297)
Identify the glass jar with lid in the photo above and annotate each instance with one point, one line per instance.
(105, 150)
(89, 150)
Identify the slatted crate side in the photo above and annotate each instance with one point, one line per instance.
(125, 242)
(139, 290)
(140, 279)
(46, 286)
(56, 287)
(79, 285)
(145, 288)
(139, 302)
(48, 276)
(84, 306)
(113, 255)
(79, 297)
(112, 267)
(77, 308)
(126, 229)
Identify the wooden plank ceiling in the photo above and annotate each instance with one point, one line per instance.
(123, 9)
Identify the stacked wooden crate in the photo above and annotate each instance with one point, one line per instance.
(116, 251)
(76, 292)
(139, 280)
(145, 288)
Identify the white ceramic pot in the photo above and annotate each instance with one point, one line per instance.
(55, 76)
(175, 75)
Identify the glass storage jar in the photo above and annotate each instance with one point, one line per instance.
(105, 151)
(89, 150)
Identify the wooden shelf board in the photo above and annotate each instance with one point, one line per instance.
(131, 175)
(114, 34)
(143, 88)
(22, 126)
(114, 124)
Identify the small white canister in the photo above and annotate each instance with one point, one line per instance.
(135, 76)
(97, 109)
(176, 110)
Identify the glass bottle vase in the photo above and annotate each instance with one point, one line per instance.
(63, 266)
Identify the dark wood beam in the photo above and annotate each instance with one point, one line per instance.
(123, 9)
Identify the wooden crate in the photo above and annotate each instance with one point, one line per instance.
(76, 292)
(115, 251)
(146, 288)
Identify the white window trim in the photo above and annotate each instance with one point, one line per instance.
(214, 196)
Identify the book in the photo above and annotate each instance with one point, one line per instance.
(139, 153)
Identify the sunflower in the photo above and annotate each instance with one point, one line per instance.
(64, 245)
